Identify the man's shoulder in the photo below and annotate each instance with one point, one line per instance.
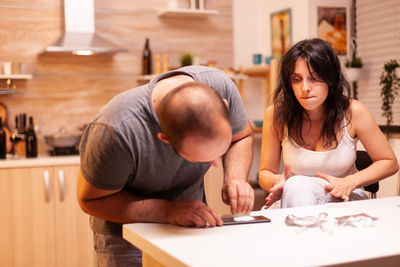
(200, 73)
(126, 106)
(199, 68)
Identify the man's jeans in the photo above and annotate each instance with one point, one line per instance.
(113, 250)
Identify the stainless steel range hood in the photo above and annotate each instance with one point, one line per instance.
(80, 37)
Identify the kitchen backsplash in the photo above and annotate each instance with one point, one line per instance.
(69, 90)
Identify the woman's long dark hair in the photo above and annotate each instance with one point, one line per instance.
(289, 114)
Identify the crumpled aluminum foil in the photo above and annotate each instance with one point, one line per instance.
(307, 221)
(356, 220)
(323, 219)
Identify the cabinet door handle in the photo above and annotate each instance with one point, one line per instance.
(61, 182)
(46, 180)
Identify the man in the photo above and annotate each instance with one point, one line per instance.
(144, 156)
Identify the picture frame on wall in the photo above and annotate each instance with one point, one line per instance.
(332, 26)
(322, 21)
(281, 32)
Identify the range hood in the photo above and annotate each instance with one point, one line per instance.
(80, 37)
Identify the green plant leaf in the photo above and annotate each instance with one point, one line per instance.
(390, 86)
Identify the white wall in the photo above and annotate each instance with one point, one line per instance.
(247, 31)
(251, 26)
(252, 34)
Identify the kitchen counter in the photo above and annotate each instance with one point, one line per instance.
(39, 161)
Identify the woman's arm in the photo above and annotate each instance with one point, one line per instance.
(384, 164)
(375, 143)
(270, 152)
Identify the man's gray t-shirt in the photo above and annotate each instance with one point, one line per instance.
(120, 148)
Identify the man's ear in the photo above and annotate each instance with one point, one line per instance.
(226, 102)
(163, 138)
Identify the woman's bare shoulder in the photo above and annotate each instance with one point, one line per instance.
(361, 117)
(358, 109)
(269, 112)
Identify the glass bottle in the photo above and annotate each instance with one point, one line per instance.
(31, 140)
(38, 134)
(146, 60)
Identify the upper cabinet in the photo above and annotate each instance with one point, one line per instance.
(196, 10)
(187, 13)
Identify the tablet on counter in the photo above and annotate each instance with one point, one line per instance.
(230, 219)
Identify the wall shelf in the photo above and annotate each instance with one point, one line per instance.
(269, 74)
(11, 87)
(187, 13)
(16, 76)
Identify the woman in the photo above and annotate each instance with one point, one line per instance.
(315, 126)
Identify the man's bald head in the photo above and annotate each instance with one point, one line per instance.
(192, 108)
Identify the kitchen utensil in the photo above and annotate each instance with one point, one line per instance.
(62, 139)
(7, 68)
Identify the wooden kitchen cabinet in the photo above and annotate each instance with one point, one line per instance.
(42, 223)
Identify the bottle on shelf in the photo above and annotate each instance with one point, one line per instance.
(173, 4)
(31, 140)
(165, 63)
(39, 136)
(23, 126)
(197, 4)
(3, 151)
(157, 65)
(18, 138)
(146, 60)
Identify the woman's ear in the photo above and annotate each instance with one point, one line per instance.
(163, 138)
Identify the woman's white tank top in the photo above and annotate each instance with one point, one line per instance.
(338, 162)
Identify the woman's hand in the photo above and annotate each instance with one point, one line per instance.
(275, 193)
(338, 187)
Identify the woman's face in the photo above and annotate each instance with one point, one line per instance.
(309, 89)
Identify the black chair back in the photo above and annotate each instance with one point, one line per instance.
(363, 161)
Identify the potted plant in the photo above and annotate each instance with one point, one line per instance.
(186, 60)
(390, 88)
(353, 68)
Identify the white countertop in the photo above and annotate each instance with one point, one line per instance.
(277, 244)
(39, 161)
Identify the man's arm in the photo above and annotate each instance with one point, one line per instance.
(236, 191)
(124, 207)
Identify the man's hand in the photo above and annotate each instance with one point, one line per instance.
(239, 195)
(192, 213)
(338, 187)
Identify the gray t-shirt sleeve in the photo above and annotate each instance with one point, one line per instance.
(237, 111)
(108, 157)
